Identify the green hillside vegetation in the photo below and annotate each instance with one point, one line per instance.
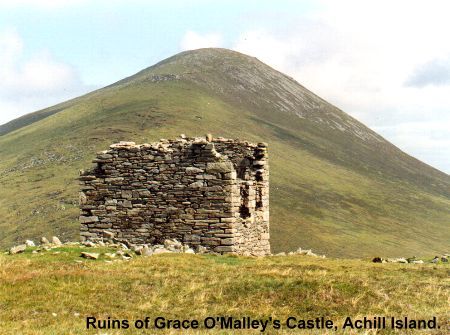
(53, 292)
(336, 186)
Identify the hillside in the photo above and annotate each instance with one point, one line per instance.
(336, 186)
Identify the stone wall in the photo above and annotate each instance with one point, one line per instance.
(202, 191)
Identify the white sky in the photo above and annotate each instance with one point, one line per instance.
(387, 63)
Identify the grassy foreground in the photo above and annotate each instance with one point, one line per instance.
(53, 292)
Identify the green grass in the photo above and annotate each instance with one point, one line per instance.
(330, 191)
(34, 286)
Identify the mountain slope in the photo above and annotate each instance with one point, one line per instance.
(336, 186)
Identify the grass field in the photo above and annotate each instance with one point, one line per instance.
(53, 292)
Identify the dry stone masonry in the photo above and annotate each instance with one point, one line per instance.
(208, 193)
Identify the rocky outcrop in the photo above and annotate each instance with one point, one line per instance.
(90, 255)
(411, 260)
(126, 251)
(17, 249)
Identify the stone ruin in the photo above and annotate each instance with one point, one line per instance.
(209, 193)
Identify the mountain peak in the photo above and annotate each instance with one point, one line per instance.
(238, 76)
(207, 55)
(218, 60)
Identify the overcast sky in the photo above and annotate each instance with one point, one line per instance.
(387, 63)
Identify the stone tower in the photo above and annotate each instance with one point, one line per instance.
(212, 192)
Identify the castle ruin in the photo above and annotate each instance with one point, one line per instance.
(210, 192)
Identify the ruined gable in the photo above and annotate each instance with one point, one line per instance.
(204, 192)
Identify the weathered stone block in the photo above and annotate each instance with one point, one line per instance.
(220, 167)
(88, 219)
(193, 170)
